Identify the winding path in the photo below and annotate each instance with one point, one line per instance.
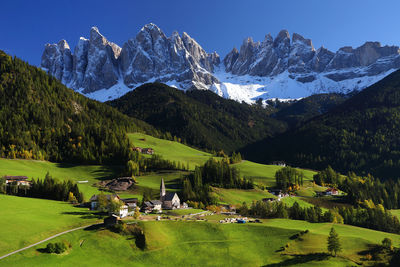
(44, 240)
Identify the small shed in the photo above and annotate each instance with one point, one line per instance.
(111, 220)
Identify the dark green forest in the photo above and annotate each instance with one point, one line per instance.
(360, 135)
(42, 119)
(200, 117)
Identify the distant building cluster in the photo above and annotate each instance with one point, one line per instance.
(148, 150)
(167, 201)
(18, 180)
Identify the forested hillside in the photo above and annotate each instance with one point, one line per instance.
(300, 111)
(360, 135)
(40, 118)
(201, 118)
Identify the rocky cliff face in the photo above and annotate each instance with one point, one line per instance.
(151, 55)
(298, 56)
(285, 66)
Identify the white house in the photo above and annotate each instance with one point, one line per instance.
(123, 211)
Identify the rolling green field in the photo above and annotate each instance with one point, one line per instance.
(171, 150)
(180, 243)
(265, 174)
(27, 220)
(38, 169)
(237, 196)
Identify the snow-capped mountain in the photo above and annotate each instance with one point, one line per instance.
(280, 67)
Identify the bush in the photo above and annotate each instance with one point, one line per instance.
(50, 248)
(60, 247)
(57, 248)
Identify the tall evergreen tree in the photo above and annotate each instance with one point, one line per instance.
(334, 242)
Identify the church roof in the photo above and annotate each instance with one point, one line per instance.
(169, 196)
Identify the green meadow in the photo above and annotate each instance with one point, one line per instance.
(237, 196)
(265, 174)
(171, 150)
(181, 243)
(28, 220)
(63, 171)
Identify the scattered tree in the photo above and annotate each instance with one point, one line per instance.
(334, 242)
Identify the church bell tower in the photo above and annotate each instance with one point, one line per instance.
(162, 189)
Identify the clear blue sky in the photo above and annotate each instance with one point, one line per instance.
(25, 26)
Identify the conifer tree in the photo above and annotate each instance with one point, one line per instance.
(334, 242)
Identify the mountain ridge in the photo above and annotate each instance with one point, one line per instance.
(281, 67)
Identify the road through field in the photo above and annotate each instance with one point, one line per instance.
(47, 239)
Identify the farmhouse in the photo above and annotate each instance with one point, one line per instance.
(279, 163)
(152, 205)
(148, 151)
(94, 200)
(130, 202)
(331, 192)
(19, 180)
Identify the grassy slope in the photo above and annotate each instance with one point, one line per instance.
(236, 196)
(208, 244)
(28, 220)
(38, 169)
(171, 150)
(265, 174)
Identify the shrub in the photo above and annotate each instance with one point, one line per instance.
(50, 248)
(57, 248)
(60, 247)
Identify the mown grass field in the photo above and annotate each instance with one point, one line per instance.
(180, 243)
(171, 150)
(237, 196)
(38, 169)
(24, 221)
(265, 174)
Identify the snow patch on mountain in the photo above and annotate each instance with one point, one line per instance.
(283, 67)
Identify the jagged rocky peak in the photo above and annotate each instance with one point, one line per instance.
(93, 65)
(297, 55)
(57, 60)
(151, 54)
(285, 61)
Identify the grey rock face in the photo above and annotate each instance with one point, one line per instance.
(100, 64)
(298, 56)
(57, 59)
(93, 65)
(152, 56)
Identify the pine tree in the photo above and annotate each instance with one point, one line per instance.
(334, 242)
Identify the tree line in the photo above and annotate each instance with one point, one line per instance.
(372, 218)
(289, 178)
(365, 191)
(218, 173)
(47, 188)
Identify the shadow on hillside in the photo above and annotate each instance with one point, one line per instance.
(94, 227)
(298, 259)
(173, 184)
(106, 172)
(84, 213)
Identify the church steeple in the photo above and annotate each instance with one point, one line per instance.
(162, 189)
